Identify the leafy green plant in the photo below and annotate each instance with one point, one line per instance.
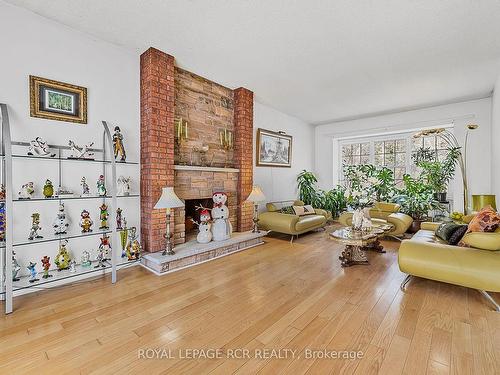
(416, 198)
(437, 174)
(377, 183)
(332, 200)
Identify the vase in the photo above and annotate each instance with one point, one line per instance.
(357, 219)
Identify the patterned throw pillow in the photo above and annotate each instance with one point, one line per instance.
(299, 210)
(457, 235)
(486, 220)
(446, 230)
(309, 210)
(287, 210)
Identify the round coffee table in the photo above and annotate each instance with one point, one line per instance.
(356, 243)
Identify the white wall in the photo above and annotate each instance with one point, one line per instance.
(32, 45)
(280, 183)
(495, 142)
(479, 148)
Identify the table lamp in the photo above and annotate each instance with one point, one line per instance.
(256, 197)
(168, 200)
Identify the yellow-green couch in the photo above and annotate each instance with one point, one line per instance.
(293, 225)
(477, 266)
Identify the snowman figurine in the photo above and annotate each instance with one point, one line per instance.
(221, 227)
(204, 226)
(60, 223)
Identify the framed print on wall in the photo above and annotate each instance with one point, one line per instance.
(58, 101)
(274, 149)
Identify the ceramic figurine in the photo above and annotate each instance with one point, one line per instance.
(15, 267)
(118, 144)
(105, 247)
(85, 187)
(86, 259)
(32, 270)
(48, 189)
(100, 260)
(38, 147)
(119, 218)
(81, 152)
(27, 191)
(35, 227)
(104, 216)
(204, 226)
(62, 192)
(60, 223)
(123, 241)
(123, 185)
(46, 267)
(86, 222)
(2, 221)
(72, 266)
(101, 186)
(2, 192)
(63, 258)
(221, 227)
(133, 251)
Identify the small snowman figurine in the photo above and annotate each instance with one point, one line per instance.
(60, 223)
(204, 226)
(101, 186)
(221, 227)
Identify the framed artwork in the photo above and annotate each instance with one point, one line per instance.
(274, 149)
(59, 101)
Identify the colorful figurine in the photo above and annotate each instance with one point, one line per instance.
(104, 216)
(105, 247)
(38, 147)
(48, 189)
(133, 251)
(81, 152)
(204, 227)
(2, 221)
(32, 270)
(85, 187)
(60, 223)
(123, 241)
(46, 267)
(15, 267)
(100, 260)
(123, 185)
(86, 222)
(63, 258)
(72, 266)
(101, 186)
(2, 192)
(35, 226)
(27, 191)
(119, 218)
(62, 192)
(118, 144)
(221, 227)
(86, 259)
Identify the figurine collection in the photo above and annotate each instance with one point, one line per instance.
(218, 227)
(63, 260)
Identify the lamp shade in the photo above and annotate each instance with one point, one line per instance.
(168, 199)
(256, 196)
(483, 200)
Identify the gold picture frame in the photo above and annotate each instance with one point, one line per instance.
(54, 100)
(274, 149)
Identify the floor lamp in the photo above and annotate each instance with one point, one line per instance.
(168, 200)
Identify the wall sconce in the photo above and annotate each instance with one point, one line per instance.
(181, 135)
(226, 141)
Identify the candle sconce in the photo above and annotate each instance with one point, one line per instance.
(181, 135)
(226, 142)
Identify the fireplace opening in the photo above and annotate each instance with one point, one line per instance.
(193, 213)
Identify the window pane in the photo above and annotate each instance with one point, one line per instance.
(401, 145)
(379, 147)
(346, 150)
(389, 160)
(400, 158)
(356, 149)
(356, 160)
(365, 149)
(430, 142)
(442, 155)
(389, 147)
(441, 143)
(379, 160)
(365, 159)
(416, 143)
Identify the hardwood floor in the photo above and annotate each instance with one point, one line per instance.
(275, 296)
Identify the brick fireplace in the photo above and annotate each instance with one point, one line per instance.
(167, 94)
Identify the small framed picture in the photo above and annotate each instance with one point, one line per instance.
(59, 101)
(274, 149)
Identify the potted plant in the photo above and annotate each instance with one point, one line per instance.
(416, 200)
(437, 174)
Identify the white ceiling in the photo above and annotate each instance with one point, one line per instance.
(318, 60)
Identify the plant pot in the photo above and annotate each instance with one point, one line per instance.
(415, 226)
(441, 197)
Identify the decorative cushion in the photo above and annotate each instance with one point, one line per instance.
(287, 210)
(446, 230)
(309, 210)
(299, 210)
(271, 207)
(457, 235)
(486, 220)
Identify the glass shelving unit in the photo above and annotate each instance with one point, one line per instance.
(10, 243)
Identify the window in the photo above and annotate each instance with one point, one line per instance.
(391, 151)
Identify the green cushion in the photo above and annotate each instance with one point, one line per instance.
(445, 230)
(288, 210)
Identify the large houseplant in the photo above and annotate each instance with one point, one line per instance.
(437, 174)
(416, 200)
